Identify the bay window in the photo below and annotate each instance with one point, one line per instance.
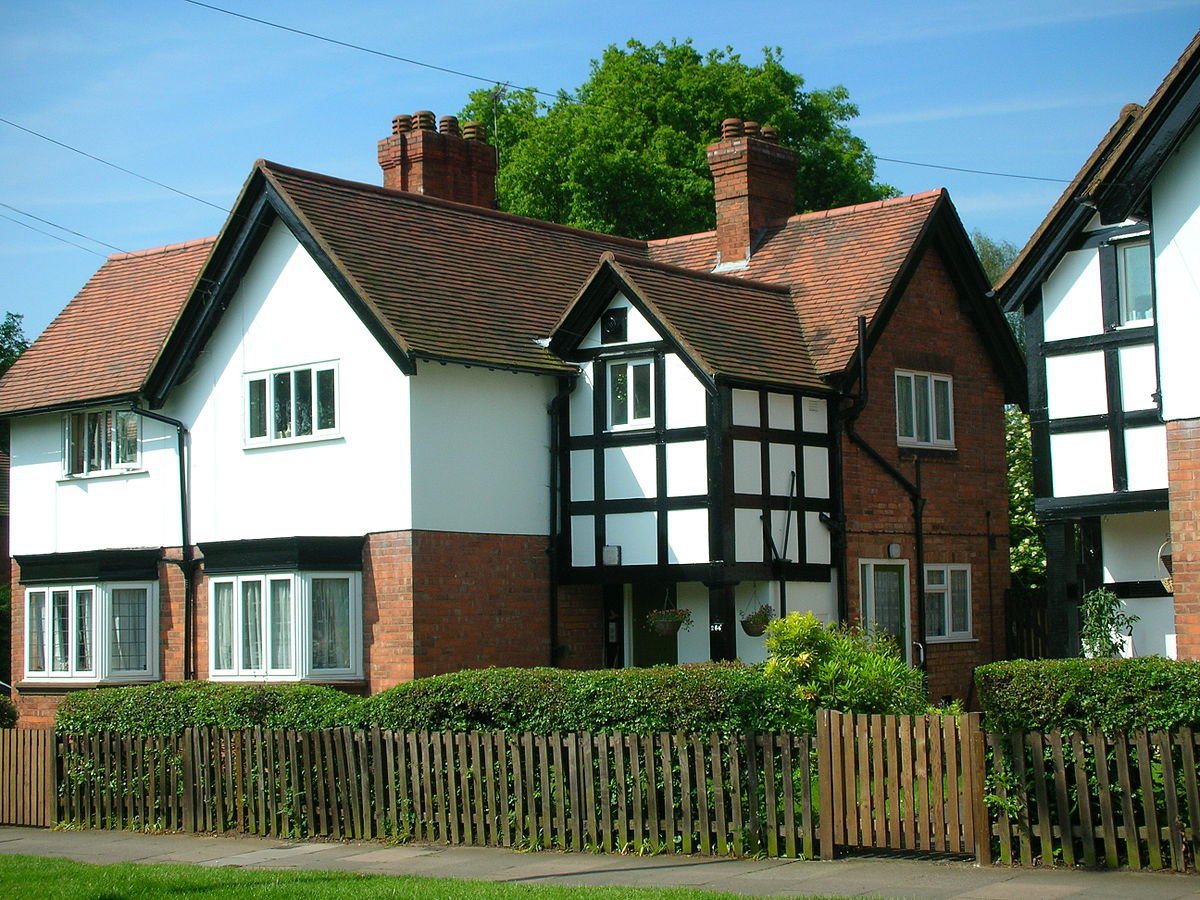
(291, 404)
(924, 409)
(98, 441)
(948, 602)
(286, 626)
(91, 632)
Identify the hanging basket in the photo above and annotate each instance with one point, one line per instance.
(1166, 570)
(754, 627)
(666, 627)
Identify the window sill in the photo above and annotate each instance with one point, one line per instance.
(292, 442)
(107, 473)
(951, 640)
(338, 679)
(50, 687)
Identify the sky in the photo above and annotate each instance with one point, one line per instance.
(191, 98)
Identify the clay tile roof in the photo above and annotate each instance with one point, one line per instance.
(732, 327)
(105, 342)
(455, 282)
(839, 263)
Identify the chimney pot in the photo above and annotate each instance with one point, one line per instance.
(415, 157)
(731, 128)
(750, 129)
(474, 131)
(449, 125)
(769, 133)
(402, 124)
(423, 120)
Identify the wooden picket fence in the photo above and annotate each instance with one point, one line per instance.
(27, 772)
(715, 795)
(1088, 799)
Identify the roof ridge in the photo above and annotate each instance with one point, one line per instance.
(426, 199)
(164, 248)
(680, 238)
(867, 206)
(717, 277)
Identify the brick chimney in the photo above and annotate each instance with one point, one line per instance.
(440, 161)
(754, 180)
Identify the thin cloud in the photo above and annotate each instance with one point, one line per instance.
(1016, 106)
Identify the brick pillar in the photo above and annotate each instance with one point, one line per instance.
(1183, 478)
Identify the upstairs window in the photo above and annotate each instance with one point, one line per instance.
(91, 632)
(100, 441)
(948, 603)
(1134, 283)
(631, 394)
(292, 404)
(924, 409)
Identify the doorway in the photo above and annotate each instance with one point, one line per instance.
(885, 606)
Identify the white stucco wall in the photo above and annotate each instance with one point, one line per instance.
(1071, 297)
(1129, 546)
(1081, 463)
(1175, 199)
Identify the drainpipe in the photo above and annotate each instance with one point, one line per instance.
(555, 411)
(187, 564)
(912, 489)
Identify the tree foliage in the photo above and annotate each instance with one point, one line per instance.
(1027, 554)
(12, 340)
(625, 154)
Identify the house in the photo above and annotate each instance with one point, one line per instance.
(368, 434)
(1108, 291)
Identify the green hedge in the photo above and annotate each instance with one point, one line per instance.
(1112, 694)
(8, 713)
(169, 707)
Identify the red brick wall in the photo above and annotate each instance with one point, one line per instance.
(1183, 478)
(930, 332)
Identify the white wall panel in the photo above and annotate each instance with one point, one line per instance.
(1075, 385)
(687, 468)
(630, 472)
(816, 539)
(693, 643)
(583, 475)
(816, 472)
(1080, 463)
(580, 404)
(745, 407)
(747, 597)
(1146, 457)
(748, 535)
(780, 527)
(1129, 545)
(782, 462)
(819, 598)
(1139, 380)
(747, 467)
(781, 411)
(687, 536)
(1071, 297)
(638, 329)
(687, 400)
(814, 414)
(637, 536)
(1154, 632)
(583, 541)
(1176, 215)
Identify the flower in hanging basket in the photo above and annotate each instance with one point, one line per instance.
(755, 623)
(666, 622)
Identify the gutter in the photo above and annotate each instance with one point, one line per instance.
(848, 420)
(187, 563)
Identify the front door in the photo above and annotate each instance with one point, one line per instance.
(885, 601)
(648, 647)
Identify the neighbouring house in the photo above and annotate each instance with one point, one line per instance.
(1108, 288)
(368, 434)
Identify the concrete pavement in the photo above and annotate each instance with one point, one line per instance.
(855, 876)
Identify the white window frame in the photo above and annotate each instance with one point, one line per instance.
(267, 376)
(933, 378)
(301, 668)
(101, 643)
(113, 467)
(949, 635)
(866, 573)
(1122, 248)
(631, 422)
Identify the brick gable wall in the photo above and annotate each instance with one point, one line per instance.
(1183, 478)
(930, 331)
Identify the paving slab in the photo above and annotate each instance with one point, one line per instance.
(856, 876)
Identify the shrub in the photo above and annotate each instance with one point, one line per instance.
(169, 707)
(1103, 622)
(1081, 694)
(8, 713)
(831, 667)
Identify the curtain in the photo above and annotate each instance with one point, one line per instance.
(281, 624)
(127, 652)
(252, 625)
(331, 623)
(889, 603)
(83, 631)
(37, 631)
(223, 625)
(60, 627)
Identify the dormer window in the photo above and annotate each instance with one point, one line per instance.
(99, 441)
(631, 393)
(288, 405)
(1134, 283)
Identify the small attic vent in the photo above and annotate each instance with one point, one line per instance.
(614, 326)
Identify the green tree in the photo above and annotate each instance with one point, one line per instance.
(996, 257)
(625, 154)
(1027, 555)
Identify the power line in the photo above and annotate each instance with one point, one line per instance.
(111, 165)
(51, 234)
(78, 234)
(909, 162)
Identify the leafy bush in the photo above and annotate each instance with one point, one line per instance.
(169, 707)
(1103, 622)
(831, 667)
(8, 713)
(1111, 694)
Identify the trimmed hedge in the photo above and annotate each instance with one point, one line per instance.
(8, 713)
(1111, 694)
(171, 706)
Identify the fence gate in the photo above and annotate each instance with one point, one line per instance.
(27, 786)
(902, 783)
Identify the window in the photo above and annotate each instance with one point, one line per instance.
(948, 603)
(97, 441)
(286, 626)
(93, 632)
(1134, 283)
(292, 404)
(631, 393)
(924, 409)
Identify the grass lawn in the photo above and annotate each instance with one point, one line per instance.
(51, 878)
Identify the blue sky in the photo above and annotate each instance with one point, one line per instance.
(191, 98)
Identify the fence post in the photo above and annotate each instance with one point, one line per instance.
(825, 785)
(978, 789)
